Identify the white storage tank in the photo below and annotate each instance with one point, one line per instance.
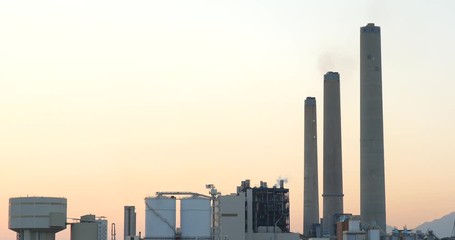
(195, 218)
(160, 218)
(37, 217)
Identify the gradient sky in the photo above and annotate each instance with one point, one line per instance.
(107, 102)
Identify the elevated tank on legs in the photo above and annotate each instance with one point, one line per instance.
(37, 217)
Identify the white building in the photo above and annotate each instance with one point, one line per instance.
(238, 220)
(89, 228)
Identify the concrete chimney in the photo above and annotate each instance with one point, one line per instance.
(333, 174)
(372, 181)
(310, 178)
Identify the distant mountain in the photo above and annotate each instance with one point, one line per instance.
(442, 227)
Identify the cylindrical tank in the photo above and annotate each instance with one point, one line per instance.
(89, 228)
(195, 216)
(160, 218)
(84, 231)
(37, 217)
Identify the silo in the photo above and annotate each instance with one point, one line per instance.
(37, 217)
(89, 228)
(160, 218)
(195, 217)
(84, 231)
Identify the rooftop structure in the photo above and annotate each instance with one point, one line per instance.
(89, 227)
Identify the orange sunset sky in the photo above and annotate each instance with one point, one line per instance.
(107, 102)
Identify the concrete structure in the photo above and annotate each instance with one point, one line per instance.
(238, 217)
(232, 216)
(89, 228)
(333, 178)
(354, 235)
(84, 231)
(160, 217)
(37, 218)
(373, 234)
(310, 182)
(372, 181)
(129, 222)
(348, 228)
(102, 229)
(195, 218)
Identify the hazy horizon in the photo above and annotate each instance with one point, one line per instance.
(107, 102)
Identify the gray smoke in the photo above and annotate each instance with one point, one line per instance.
(285, 180)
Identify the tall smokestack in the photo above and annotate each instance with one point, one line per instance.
(310, 188)
(372, 182)
(333, 175)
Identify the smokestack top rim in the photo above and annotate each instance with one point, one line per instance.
(332, 76)
(370, 28)
(310, 101)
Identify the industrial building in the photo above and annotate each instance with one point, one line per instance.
(256, 213)
(89, 227)
(260, 212)
(310, 169)
(129, 222)
(372, 176)
(37, 218)
(372, 179)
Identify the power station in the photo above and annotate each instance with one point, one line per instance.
(256, 212)
(372, 177)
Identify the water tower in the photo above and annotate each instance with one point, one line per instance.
(37, 217)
